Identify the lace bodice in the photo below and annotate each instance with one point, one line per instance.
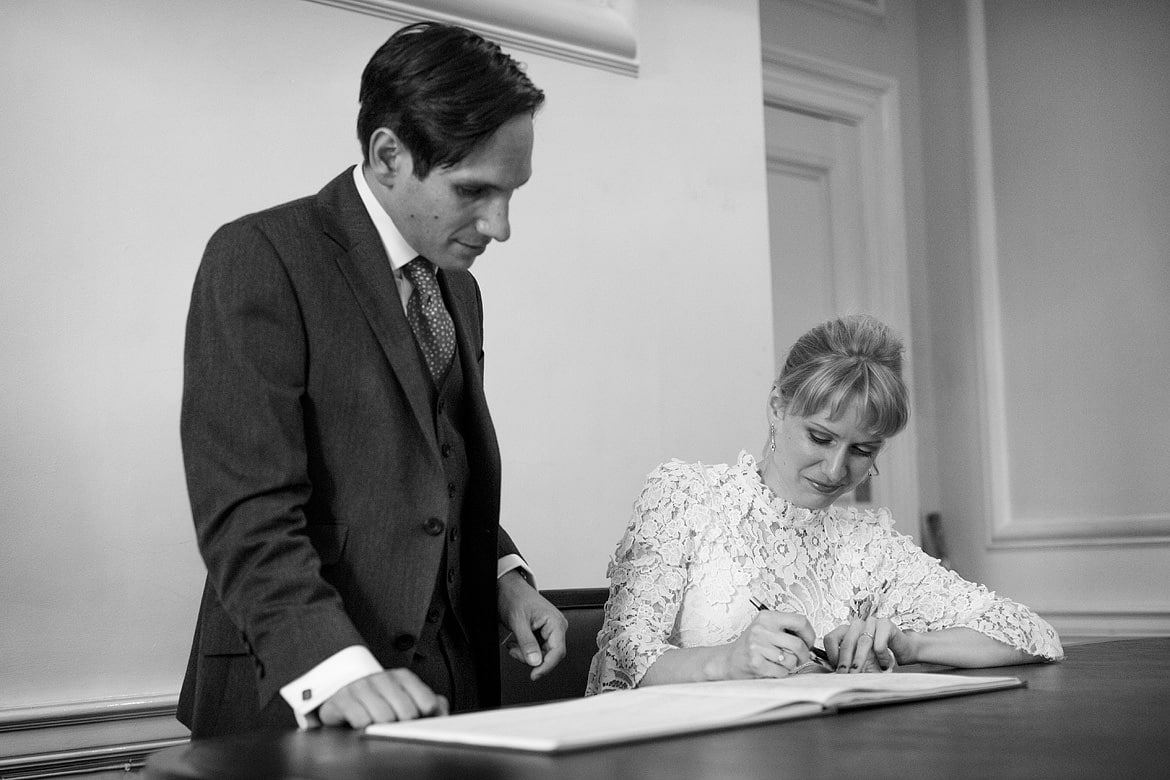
(705, 540)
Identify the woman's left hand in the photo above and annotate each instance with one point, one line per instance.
(864, 645)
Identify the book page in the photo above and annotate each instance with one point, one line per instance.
(623, 716)
(831, 688)
(620, 716)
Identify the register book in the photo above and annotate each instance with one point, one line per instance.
(666, 710)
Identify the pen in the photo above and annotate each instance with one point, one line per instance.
(818, 653)
(863, 608)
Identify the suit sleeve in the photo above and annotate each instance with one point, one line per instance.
(245, 457)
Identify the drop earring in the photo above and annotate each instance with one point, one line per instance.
(873, 471)
(771, 437)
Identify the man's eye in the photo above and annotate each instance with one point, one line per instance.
(469, 192)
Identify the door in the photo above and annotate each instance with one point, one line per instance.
(837, 225)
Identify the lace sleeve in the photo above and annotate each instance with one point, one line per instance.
(925, 596)
(648, 576)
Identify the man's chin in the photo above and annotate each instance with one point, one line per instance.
(455, 262)
(460, 258)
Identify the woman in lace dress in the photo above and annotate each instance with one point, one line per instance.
(707, 545)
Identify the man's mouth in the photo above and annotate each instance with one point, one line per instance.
(477, 248)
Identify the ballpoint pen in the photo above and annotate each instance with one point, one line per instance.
(819, 657)
(865, 607)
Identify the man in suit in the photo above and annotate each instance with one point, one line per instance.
(341, 462)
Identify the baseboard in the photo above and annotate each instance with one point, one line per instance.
(1077, 625)
(87, 736)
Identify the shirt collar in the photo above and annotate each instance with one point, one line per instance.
(399, 252)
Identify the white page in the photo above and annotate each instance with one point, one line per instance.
(824, 687)
(612, 717)
(658, 710)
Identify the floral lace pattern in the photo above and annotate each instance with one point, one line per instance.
(704, 540)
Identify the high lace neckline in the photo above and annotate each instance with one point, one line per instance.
(784, 509)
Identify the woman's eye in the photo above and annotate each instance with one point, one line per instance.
(863, 453)
(822, 440)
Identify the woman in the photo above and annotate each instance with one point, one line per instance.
(736, 571)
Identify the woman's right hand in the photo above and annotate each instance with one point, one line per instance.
(772, 646)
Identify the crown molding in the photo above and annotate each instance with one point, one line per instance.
(595, 34)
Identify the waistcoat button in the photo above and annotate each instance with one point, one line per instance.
(433, 526)
(403, 642)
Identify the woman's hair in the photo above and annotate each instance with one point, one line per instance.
(852, 360)
(443, 90)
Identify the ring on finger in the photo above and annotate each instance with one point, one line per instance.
(866, 633)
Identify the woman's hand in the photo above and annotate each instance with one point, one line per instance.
(772, 646)
(871, 645)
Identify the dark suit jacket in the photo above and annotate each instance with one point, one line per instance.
(312, 461)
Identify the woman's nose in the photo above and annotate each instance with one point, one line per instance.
(837, 464)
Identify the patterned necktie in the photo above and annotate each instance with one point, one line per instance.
(432, 325)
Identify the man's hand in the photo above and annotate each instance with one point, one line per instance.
(538, 628)
(393, 694)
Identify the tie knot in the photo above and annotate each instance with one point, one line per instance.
(419, 268)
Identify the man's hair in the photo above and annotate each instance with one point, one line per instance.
(442, 90)
(850, 362)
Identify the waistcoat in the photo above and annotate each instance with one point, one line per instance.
(443, 656)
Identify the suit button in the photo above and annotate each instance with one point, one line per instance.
(432, 616)
(433, 526)
(453, 534)
(403, 642)
(450, 575)
(446, 450)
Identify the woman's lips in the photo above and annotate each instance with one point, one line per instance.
(824, 487)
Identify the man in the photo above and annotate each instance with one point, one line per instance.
(341, 463)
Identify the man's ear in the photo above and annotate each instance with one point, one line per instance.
(388, 159)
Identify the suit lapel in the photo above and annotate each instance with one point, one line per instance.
(462, 299)
(367, 270)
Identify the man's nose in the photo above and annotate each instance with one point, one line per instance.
(493, 223)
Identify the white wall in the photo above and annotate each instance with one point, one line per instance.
(628, 320)
(1050, 278)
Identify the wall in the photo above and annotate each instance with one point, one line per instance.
(1047, 127)
(627, 319)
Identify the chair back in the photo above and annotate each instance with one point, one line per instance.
(584, 608)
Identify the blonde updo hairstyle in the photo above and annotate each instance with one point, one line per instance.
(849, 362)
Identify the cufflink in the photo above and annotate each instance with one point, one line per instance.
(306, 694)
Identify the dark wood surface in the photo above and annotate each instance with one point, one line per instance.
(1104, 712)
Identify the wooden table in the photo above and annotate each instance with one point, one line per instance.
(1104, 712)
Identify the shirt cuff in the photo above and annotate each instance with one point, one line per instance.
(514, 561)
(313, 688)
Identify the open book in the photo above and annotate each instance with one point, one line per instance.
(664, 710)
